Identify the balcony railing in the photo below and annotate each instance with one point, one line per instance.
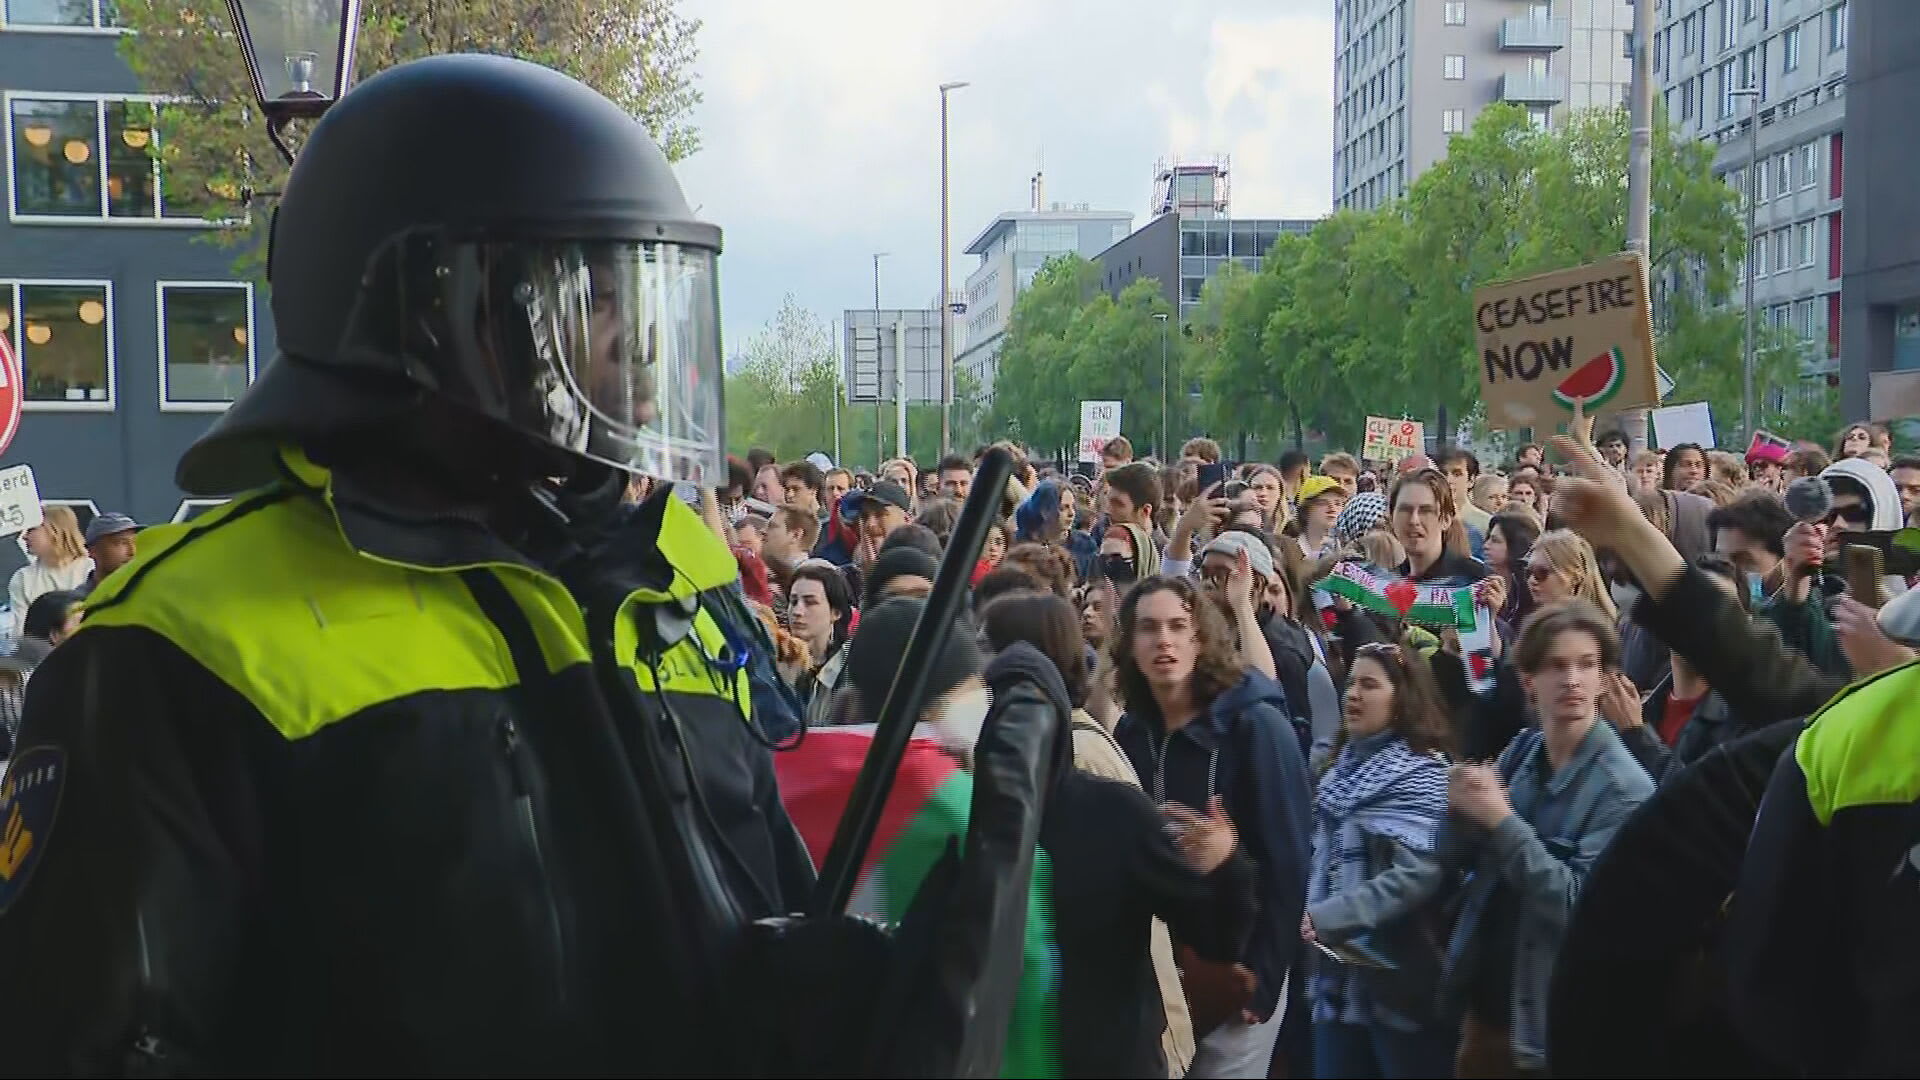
(1526, 89)
(1526, 32)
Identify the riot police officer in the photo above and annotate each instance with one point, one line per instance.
(419, 755)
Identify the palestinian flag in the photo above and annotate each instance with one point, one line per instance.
(1442, 607)
(927, 806)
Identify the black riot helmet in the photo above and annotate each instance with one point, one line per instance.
(503, 238)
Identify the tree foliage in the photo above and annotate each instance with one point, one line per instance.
(1371, 313)
(213, 147)
(1069, 342)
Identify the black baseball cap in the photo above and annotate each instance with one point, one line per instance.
(888, 493)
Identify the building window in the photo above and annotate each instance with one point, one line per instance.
(1803, 243)
(206, 343)
(1729, 28)
(1456, 13)
(1540, 116)
(1762, 177)
(59, 15)
(1456, 67)
(63, 334)
(1453, 121)
(1757, 258)
(1727, 87)
(1790, 48)
(1780, 252)
(1750, 9)
(56, 158)
(75, 159)
(1837, 27)
(1783, 173)
(193, 508)
(1809, 165)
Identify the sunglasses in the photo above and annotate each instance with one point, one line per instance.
(1540, 571)
(1854, 514)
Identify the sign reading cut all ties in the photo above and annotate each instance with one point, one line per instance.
(1393, 440)
(1582, 336)
(1099, 423)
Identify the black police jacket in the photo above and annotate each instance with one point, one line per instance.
(313, 793)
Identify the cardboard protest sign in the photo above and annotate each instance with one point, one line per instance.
(1099, 425)
(1893, 395)
(1689, 423)
(1581, 336)
(1392, 440)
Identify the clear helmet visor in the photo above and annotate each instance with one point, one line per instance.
(607, 349)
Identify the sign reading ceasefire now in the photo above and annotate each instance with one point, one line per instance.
(1572, 337)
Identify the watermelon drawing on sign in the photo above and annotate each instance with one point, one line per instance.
(1593, 383)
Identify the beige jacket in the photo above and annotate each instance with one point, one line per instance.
(1096, 752)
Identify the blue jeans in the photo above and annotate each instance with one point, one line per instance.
(1374, 1051)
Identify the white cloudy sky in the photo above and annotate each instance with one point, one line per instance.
(821, 126)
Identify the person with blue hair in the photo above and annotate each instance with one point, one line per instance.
(1047, 516)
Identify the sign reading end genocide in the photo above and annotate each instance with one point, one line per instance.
(1582, 336)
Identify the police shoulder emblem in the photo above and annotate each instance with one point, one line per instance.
(29, 800)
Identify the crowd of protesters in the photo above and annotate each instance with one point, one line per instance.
(1307, 832)
(1375, 833)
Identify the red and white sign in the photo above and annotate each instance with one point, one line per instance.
(1392, 440)
(1099, 423)
(11, 394)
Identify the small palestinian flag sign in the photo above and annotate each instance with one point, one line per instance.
(926, 808)
(1444, 607)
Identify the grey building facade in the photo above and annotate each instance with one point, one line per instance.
(133, 331)
(1881, 262)
(1410, 74)
(1182, 254)
(1011, 250)
(1795, 54)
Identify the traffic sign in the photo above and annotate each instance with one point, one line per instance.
(19, 499)
(11, 394)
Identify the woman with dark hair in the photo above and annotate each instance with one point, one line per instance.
(1047, 517)
(1856, 439)
(49, 620)
(1199, 726)
(1377, 816)
(1510, 537)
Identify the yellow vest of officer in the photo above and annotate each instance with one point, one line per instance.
(267, 594)
(1863, 748)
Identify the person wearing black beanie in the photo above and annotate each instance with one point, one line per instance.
(881, 642)
(900, 571)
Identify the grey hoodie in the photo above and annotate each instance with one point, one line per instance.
(1882, 496)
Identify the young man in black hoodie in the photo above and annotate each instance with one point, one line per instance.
(1198, 724)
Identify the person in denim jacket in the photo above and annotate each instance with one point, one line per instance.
(1526, 832)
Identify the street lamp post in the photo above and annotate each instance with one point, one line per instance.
(946, 306)
(299, 57)
(1161, 317)
(879, 428)
(1752, 94)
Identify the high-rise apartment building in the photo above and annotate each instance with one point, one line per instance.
(1408, 75)
(1793, 55)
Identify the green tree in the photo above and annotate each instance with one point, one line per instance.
(1034, 399)
(214, 149)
